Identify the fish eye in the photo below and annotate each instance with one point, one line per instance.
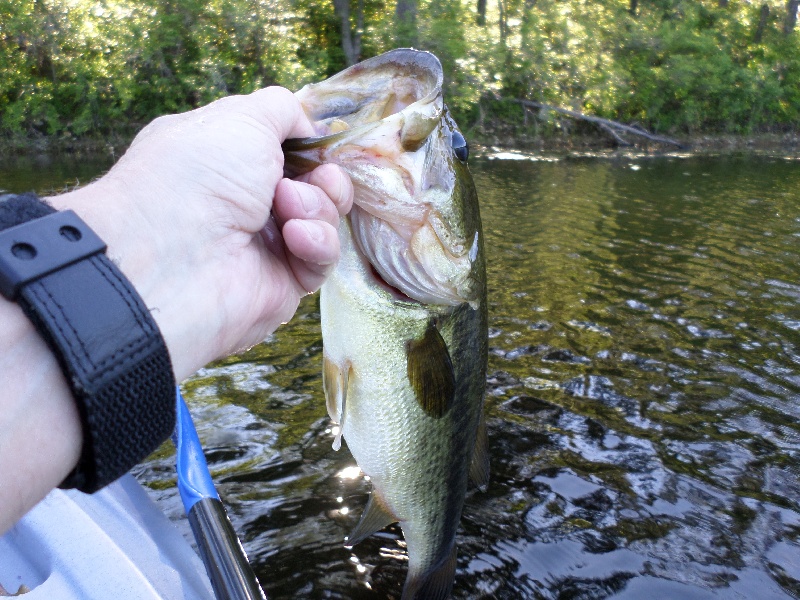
(460, 146)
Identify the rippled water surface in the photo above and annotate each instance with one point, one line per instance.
(642, 399)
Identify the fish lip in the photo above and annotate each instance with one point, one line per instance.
(406, 57)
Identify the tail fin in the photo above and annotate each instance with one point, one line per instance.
(434, 584)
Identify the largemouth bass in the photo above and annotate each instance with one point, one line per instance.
(404, 321)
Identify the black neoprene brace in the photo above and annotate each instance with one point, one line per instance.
(107, 343)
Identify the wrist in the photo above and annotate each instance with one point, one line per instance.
(150, 255)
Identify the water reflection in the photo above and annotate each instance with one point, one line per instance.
(642, 399)
(645, 350)
(48, 174)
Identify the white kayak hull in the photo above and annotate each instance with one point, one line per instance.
(115, 544)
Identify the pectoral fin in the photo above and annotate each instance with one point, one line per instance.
(376, 516)
(335, 381)
(479, 467)
(430, 372)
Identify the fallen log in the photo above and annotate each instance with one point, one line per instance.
(612, 127)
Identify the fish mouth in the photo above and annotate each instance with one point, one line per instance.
(385, 122)
(372, 90)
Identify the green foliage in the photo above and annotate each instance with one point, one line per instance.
(93, 67)
(79, 67)
(688, 73)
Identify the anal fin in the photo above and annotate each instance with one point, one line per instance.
(376, 516)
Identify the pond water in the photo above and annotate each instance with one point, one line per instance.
(643, 396)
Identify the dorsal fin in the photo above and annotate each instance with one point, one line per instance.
(430, 372)
(376, 516)
(334, 382)
(479, 467)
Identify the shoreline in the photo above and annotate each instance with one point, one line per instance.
(786, 144)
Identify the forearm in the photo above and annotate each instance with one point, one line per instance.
(40, 433)
(156, 265)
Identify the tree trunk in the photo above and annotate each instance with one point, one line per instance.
(526, 12)
(481, 18)
(606, 124)
(351, 40)
(501, 7)
(359, 30)
(791, 16)
(762, 23)
(632, 9)
(723, 3)
(405, 15)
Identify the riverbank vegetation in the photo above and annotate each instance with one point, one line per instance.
(85, 69)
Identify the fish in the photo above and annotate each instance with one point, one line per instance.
(404, 313)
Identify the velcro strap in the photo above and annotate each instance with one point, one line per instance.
(105, 339)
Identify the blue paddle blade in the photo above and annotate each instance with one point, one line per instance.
(194, 480)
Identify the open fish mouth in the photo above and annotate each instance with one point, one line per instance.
(385, 122)
(372, 90)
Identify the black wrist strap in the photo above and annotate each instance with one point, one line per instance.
(109, 347)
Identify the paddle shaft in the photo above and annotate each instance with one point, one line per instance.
(231, 575)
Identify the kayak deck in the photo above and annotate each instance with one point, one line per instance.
(112, 544)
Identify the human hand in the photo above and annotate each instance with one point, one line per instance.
(198, 216)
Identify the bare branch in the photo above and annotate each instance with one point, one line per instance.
(606, 124)
(610, 130)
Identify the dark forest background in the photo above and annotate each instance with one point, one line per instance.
(88, 69)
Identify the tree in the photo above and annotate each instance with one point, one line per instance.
(791, 16)
(762, 23)
(406, 23)
(480, 19)
(351, 39)
(94, 67)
